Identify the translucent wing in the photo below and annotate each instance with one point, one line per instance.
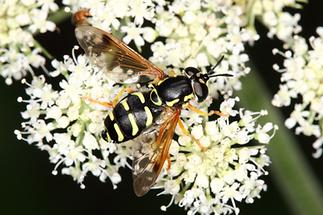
(152, 152)
(109, 52)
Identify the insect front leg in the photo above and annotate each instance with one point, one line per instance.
(187, 133)
(204, 113)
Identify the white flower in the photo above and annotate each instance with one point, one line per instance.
(262, 132)
(226, 107)
(227, 167)
(197, 34)
(18, 49)
(132, 32)
(205, 177)
(67, 127)
(271, 13)
(301, 77)
(90, 142)
(318, 146)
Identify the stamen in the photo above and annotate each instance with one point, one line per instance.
(128, 165)
(30, 69)
(73, 53)
(23, 81)
(54, 172)
(259, 167)
(274, 132)
(286, 54)
(236, 210)
(164, 207)
(312, 42)
(46, 71)
(20, 99)
(281, 70)
(18, 134)
(318, 153)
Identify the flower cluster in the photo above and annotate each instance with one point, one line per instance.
(227, 171)
(62, 122)
(210, 177)
(18, 49)
(302, 82)
(180, 33)
(67, 126)
(271, 13)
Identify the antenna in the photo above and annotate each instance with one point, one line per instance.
(212, 74)
(222, 74)
(217, 64)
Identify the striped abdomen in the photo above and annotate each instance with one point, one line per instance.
(130, 117)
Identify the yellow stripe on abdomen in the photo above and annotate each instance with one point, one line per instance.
(108, 136)
(111, 116)
(125, 105)
(118, 131)
(149, 116)
(133, 123)
(140, 96)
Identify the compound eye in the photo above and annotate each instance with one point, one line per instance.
(190, 71)
(200, 90)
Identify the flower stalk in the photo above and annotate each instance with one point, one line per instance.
(290, 170)
(59, 16)
(43, 49)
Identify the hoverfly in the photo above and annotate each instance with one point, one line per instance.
(148, 117)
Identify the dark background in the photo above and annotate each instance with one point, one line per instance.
(28, 187)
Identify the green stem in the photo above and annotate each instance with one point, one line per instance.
(291, 172)
(250, 14)
(44, 51)
(59, 16)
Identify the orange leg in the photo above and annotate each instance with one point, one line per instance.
(104, 104)
(169, 162)
(203, 113)
(114, 101)
(187, 133)
(120, 94)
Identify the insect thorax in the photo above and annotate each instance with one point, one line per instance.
(175, 90)
(139, 110)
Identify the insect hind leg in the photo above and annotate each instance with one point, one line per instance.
(120, 94)
(94, 101)
(111, 104)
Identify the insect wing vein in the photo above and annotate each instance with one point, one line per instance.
(107, 51)
(152, 151)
